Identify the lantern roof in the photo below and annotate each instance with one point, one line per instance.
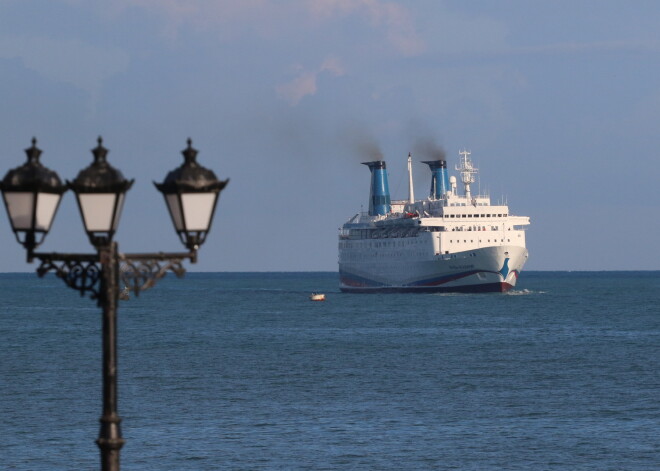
(32, 176)
(100, 176)
(191, 176)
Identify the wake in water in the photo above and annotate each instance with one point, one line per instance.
(523, 292)
(513, 292)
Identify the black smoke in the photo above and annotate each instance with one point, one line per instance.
(428, 148)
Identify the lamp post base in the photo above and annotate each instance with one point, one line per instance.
(110, 443)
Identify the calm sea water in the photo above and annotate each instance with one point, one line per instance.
(242, 372)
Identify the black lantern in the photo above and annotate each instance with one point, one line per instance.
(100, 190)
(32, 194)
(191, 193)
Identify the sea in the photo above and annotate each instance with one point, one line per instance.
(241, 371)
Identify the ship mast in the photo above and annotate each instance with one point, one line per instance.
(411, 190)
(468, 171)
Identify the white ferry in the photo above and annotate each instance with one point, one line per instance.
(446, 242)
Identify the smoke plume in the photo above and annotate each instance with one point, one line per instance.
(368, 148)
(428, 148)
(361, 142)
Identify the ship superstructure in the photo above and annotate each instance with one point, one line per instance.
(446, 242)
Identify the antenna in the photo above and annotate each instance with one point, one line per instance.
(468, 171)
(411, 190)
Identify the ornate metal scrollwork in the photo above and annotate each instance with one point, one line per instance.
(141, 272)
(138, 272)
(81, 275)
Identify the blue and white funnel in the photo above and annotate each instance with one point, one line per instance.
(379, 194)
(439, 178)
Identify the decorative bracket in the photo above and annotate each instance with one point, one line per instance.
(81, 272)
(139, 272)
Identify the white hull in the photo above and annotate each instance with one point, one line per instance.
(479, 270)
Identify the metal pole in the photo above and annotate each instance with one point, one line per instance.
(110, 440)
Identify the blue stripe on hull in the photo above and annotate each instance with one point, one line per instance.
(498, 287)
(357, 284)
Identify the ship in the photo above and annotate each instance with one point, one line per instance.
(447, 242)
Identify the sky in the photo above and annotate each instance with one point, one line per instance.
(559, 103)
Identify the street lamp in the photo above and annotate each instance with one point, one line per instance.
(191, 193)
(100, 190)
(32, 195)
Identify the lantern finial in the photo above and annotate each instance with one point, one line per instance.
(33, 152)
(100, 152)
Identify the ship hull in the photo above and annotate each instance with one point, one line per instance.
(483, 270)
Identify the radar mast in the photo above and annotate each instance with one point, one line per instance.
(468, 172)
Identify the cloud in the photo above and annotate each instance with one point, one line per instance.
(267, 17)
(395, 18)
(592, 47)
(233, 17)
(67, 60)
(306, 82)
(333, 65)
(298, 88)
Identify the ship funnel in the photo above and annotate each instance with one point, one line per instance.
(439, 178)
(379, 194)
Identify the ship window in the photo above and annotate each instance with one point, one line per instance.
(476, 215)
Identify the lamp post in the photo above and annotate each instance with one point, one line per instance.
(32, 194)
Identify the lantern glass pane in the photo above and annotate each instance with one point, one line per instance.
(46, 207)
(20, 205)
(175, 210)
(120, 206)
(198, 210)
(97, 210)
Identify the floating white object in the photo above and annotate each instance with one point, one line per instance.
(317, 297)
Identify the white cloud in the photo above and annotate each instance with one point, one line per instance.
(67, 60)
(298, 88)
(264, 17)
(234, 16)
(333, 65)
(306, 82)
(396, 19)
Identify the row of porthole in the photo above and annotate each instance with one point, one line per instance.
(374, 255)
(473, 215)
(472, 241)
